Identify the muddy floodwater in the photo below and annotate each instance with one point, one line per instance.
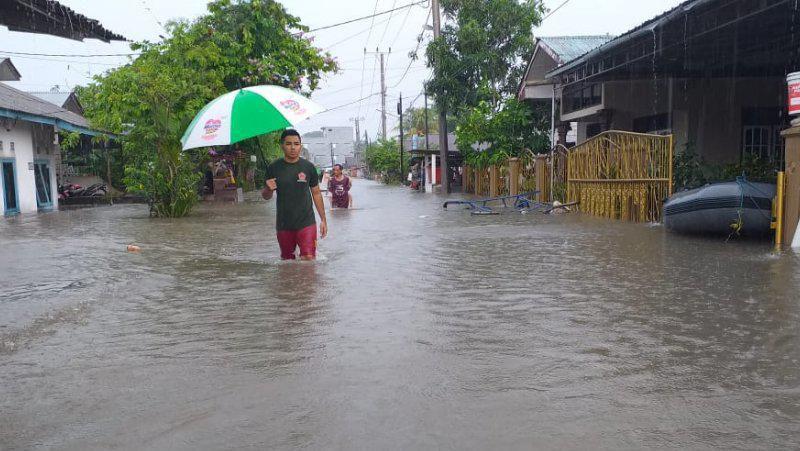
(418, 328)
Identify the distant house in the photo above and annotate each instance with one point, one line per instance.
(550, 53)
(8, 72)
(64, 99)
(29, 151)
(330, 145)
(710, 72)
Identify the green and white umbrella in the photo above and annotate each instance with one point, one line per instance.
(245, 113)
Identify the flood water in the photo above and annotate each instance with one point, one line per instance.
(418, 328)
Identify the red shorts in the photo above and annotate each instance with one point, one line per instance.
(305, 239)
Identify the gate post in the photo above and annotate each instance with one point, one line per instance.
(465, 178)
(494, 180)
(478, 180)
(540, 171)
(514, 165)
(791, 208)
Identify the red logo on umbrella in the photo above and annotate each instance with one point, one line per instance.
(211, 128)
(293, 106)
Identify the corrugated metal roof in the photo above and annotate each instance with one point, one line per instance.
(51, 17)
(20, 101)
(54, 97)
(660, 19)
(567, 48)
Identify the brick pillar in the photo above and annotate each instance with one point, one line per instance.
(791, 208)
(494, 180)
(514, 168)
(542, 176)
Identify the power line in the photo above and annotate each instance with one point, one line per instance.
(372, 16)
(554, 11)
(385, 29)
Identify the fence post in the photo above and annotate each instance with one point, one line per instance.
(540, 174)
(791, 206)
(494, 180)
(514, 166)
(478, 180)
(465, 178)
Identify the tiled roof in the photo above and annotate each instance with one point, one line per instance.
(567, 48)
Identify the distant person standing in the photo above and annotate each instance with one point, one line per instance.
(339, 187)
(297, 183)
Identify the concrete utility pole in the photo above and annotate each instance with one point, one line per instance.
(400, 114)
(383, 99)
(437, 31)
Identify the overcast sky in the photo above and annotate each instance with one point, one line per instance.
(359, 77)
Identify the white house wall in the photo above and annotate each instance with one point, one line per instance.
(24, 155)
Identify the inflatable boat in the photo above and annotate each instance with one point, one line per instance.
(738, 207)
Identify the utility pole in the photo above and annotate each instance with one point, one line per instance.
(437, 32)
(383, 98)
(400, 113)
(427, 143)
(377, 51)
(333, 161)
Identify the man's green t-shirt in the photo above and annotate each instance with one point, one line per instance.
(294, 180)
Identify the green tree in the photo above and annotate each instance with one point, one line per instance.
(383, 158)
(482, 52)
(478, 63)
(152, 99)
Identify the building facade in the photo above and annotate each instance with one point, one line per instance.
(330, 145)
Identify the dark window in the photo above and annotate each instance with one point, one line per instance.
(582, 96)
(651, 124)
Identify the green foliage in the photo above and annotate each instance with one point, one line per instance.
(69, 140)
(154, 97)
(499, 134)
(414, 121)
(383, 157)
(690, 171)
(482, 52)
(478, 63)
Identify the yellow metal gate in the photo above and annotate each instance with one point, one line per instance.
(621, 175)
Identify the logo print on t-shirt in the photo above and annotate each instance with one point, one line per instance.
(301, 177)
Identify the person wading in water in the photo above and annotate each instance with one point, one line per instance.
(297, 183)
(339, 188)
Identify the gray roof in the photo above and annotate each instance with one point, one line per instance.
(314, 134)
(567, 48)
(55, 97)
(15, 100)
(7, 70)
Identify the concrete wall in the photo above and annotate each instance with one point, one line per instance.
(30, 144)
(704, 113)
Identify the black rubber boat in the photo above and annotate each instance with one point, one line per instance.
(722, 209)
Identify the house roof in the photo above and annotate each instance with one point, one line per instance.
(16, 104)
(55, 97)
(698, 38)
(8, 72)
(567, 48)
(51, 17)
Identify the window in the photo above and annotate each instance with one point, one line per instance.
(656, 124)
(761, 138)
(583, 96)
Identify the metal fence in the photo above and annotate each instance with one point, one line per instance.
(621, 175)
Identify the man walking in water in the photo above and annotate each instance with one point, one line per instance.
(296, 182)
(339, 189)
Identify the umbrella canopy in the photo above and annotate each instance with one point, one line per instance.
(245, 113)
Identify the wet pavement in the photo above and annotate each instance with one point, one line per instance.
(418, 328)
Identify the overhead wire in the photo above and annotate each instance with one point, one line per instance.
(371, 16)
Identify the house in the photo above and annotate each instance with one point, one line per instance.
(550, 53)
(29, 151)
(64, 99)
(710, 72)
(330, 145)
(29, 125)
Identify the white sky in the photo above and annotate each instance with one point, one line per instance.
(138, 20)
